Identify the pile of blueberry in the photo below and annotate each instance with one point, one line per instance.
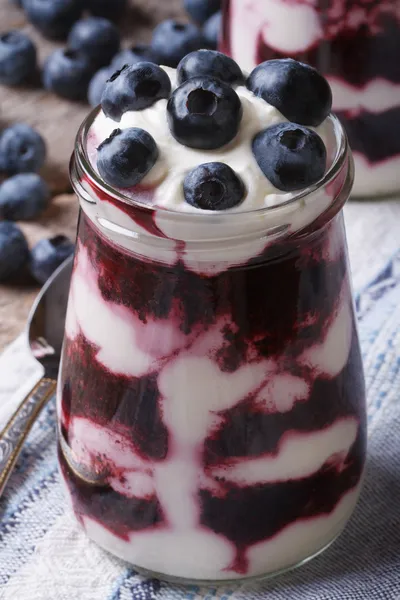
(171, 42)
(204, 112)
(93, 51)
(24, 195)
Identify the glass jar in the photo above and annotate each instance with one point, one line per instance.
(211, 395)
(356, 45)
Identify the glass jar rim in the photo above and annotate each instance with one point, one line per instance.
(338, 163)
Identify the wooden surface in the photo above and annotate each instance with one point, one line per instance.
(58, 121)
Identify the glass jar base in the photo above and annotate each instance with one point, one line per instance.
(219, 582)
(237, 580)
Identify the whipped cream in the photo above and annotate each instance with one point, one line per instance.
(176, 160)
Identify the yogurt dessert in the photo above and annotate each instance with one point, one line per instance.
(356, 44)
(211, 396)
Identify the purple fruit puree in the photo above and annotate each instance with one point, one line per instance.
(283, 307)
(357, 49)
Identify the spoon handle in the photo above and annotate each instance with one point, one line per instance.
(18, 427)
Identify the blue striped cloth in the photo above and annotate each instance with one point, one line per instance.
(45, 556)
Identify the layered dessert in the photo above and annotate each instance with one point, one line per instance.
(211, 396)
(356, 44)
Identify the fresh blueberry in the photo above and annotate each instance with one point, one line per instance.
(47, 255)
(173, 40)
(96, 38)
(213, 186)
(204, 113)
(297, 90)
(111, 9)
(212, 30)
(17, 57)
(126, 157)
(201, 10)
(134, 88)
(22, 149)
(97, 85)
(53, 18)
(14, 251)
(133, 55)
(23, 197)
(292, 157)
(67, 73)
(211, 63)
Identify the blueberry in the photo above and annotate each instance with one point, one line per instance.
(96, 38)
(297, 90)
(97, 85)
(292, 157)
(53, 18)
(212, 63)
(201, 10)
(17, 57)
(204, 113)
(47, 255)
(111, 9)
(213, 186)
(68, 73)
(212, 30)
(14, 251)
(133, 55)
(134, 88)
(126, 157)
(173, 40)
(23, 197)
(22, 149)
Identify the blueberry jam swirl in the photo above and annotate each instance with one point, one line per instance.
(211, 397)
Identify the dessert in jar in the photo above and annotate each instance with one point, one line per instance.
(211, 395)
(356, 45)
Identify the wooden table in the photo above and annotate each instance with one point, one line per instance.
(58, 121)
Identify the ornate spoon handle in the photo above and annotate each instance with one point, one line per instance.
(18, 427)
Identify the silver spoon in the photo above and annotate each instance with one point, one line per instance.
(45, 332)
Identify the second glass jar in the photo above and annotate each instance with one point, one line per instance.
(356, 45)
